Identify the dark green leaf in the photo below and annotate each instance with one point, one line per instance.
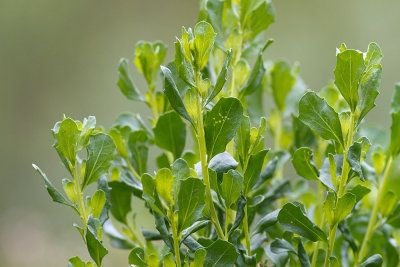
(302, 254)
(254, 82)
(191, 201)
(222, 163)
(373, 261)
(222, 77)
(304, 164)
(281, 246)
(96, 249)
(221, 124)
(137, 257)
(172, 93)
(53, 192)
(320, 117)
(100, 151)
(268, 220)
(194, 228)
(293, 219)
(220, 253)
(138, 146)
(241, 205)
(253, 170)
(120, 197)
(231, 187)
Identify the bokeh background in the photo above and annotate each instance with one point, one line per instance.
(60, 57)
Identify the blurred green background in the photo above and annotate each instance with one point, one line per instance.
(60, 57)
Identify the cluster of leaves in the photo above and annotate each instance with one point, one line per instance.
(229, 200)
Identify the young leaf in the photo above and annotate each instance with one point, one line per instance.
(260, 18)
(253, 170)
(170, 133)
(304, 164)
(66, 139)
(164, 184)
(100, 153)
(203, 43)
(282, 81)
(53, 192)
(199, 258)
(354, 155)
(97, 203)
(76, 262)
(125, 82)
(191, 201)
(254, 82)
(349, 68)
(183, 66)
(320, 117)
(293, 219)
(220, 253)
(221, 124)
(231, 187)
(344, 206)
(370, 79)
(138, 146)
(242, 140)
(173, 95)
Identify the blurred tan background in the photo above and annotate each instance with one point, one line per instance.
(60, 57)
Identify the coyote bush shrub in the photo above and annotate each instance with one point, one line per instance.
(219, 196)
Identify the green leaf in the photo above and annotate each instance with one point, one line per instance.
(168, 260)
(354, 158)
(137, 257)
(370, 79)
(221, 124)
(394, 217)
(282, 82)
(53, 192)
(302, 254)
(170, 133)
(260, 18)
(349, 69)
(267, 221)
(76, 262)
(303, 136)
(125, 82)
(203, 43)
(96, 249)
(373, 261)
(222, 77)
(69, 189)
(388, 203)
(119, 142)
(222, 163)
(320, 117)
(220, 253)
(304, 164)
(395, 128)
(164, 184)
(138, 146)
(281, 246)
(344, 206)
(242, 140)
(173, 95)
(97, 203)
(199, 258)
(231, 187)
(120, 197)
(148, 58)
(359, 191)
(183, 66)
(329, 208)
(100, 152)
(150, 194)
(194, 228)
(66, 139)
(240, 213)
(293, 219)
(253, 170)
(191, 201)
(254, 82)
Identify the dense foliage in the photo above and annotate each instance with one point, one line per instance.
(229, 200)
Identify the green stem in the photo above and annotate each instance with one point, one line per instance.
(82, 209)
(332, 235)
(342, 185)
(227, 219)
(204, 167)
(374, 214)
(176, 238)
(246, 231)
(318, 243)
